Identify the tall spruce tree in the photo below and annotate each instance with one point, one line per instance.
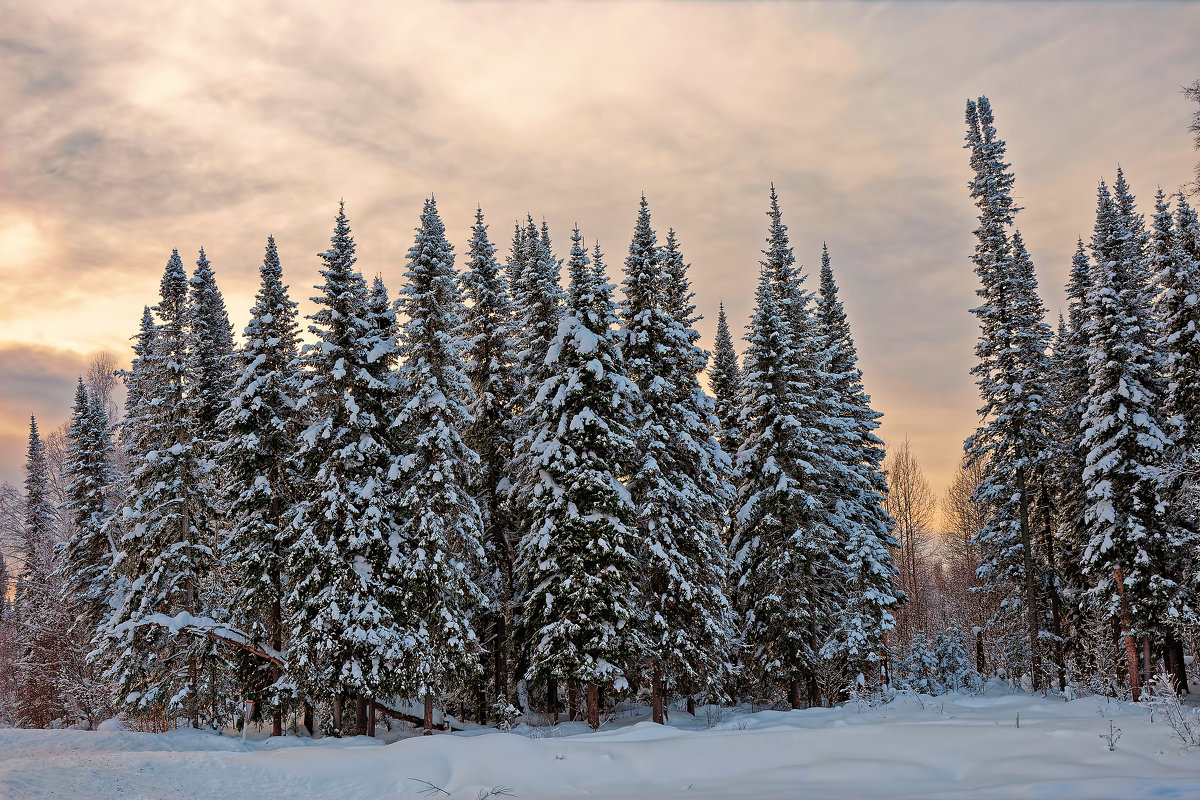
(1178, 347)
(489, 333)
(87, 564)
(165, 552)
(346, 634)
(1069, 391)
(1011, 371)
(1128, 537)
(678, 489)
(439, 524)
(776, 586)
(856, 642)
(577, 560)
(39, 613)
(261, 425)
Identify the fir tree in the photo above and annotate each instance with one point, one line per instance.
(1069, 392)
(779, 551)
(868, 593)
(38, 611)
(210, 352)
(164, 550)
(87, 568)
(1011, 372)
(577, 561)
(261, 425)
(440, 528)
(489, 333)
(725, 378)
(1128, 539)
(678, 491)
(346, 565)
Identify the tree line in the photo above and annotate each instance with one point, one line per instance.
(493, 493)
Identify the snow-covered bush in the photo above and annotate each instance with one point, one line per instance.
(1166, 706)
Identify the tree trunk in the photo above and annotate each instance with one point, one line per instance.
(337, 715)
(360, 715)
(1131, 650)
(552, 699)
(979, 663)
(428, 722)
(794, 694)
(593, 705)
(691, 705)
(814, 692)
(310, 719)
(371, 719)
(656, 696)
(1031, 598)
(275, 619)
(572, 700)
(1175, 663)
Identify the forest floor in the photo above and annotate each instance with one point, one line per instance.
(912, 747)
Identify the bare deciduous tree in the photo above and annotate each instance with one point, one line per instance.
(911, 503)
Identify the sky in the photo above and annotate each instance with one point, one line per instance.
(134, 128)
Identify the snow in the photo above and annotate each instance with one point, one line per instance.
(914, 747)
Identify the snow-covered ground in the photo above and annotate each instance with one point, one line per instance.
(913, 747)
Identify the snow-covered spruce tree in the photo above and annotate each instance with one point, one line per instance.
(210, 352)
(346, 564)
(1129, 538)
(163, 550)
(781, 551)
(439, 524)
(489, 333)
(1175, 253)
(87, 560)
(1011, 373)
(1068, 389)
(577, 561)
(725, 379)
(678, 490)
(815, 459)
(261, 425)
(869, 593)
(1137, 244)
(37, 609)
(1178, 347)
(538, 303)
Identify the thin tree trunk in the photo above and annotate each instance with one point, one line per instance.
(371, 719)
(1131, 650)
(573, 700)
(552, 699)
(691, 705)
(1147, 661)
(656, 696)
(593, 705)
(337, 715)
(360, 716)
(1175, 663)
(979, 663)
(1031, 599)
(310, 719)
(275, 619)
(794, 694)
(428, 716)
